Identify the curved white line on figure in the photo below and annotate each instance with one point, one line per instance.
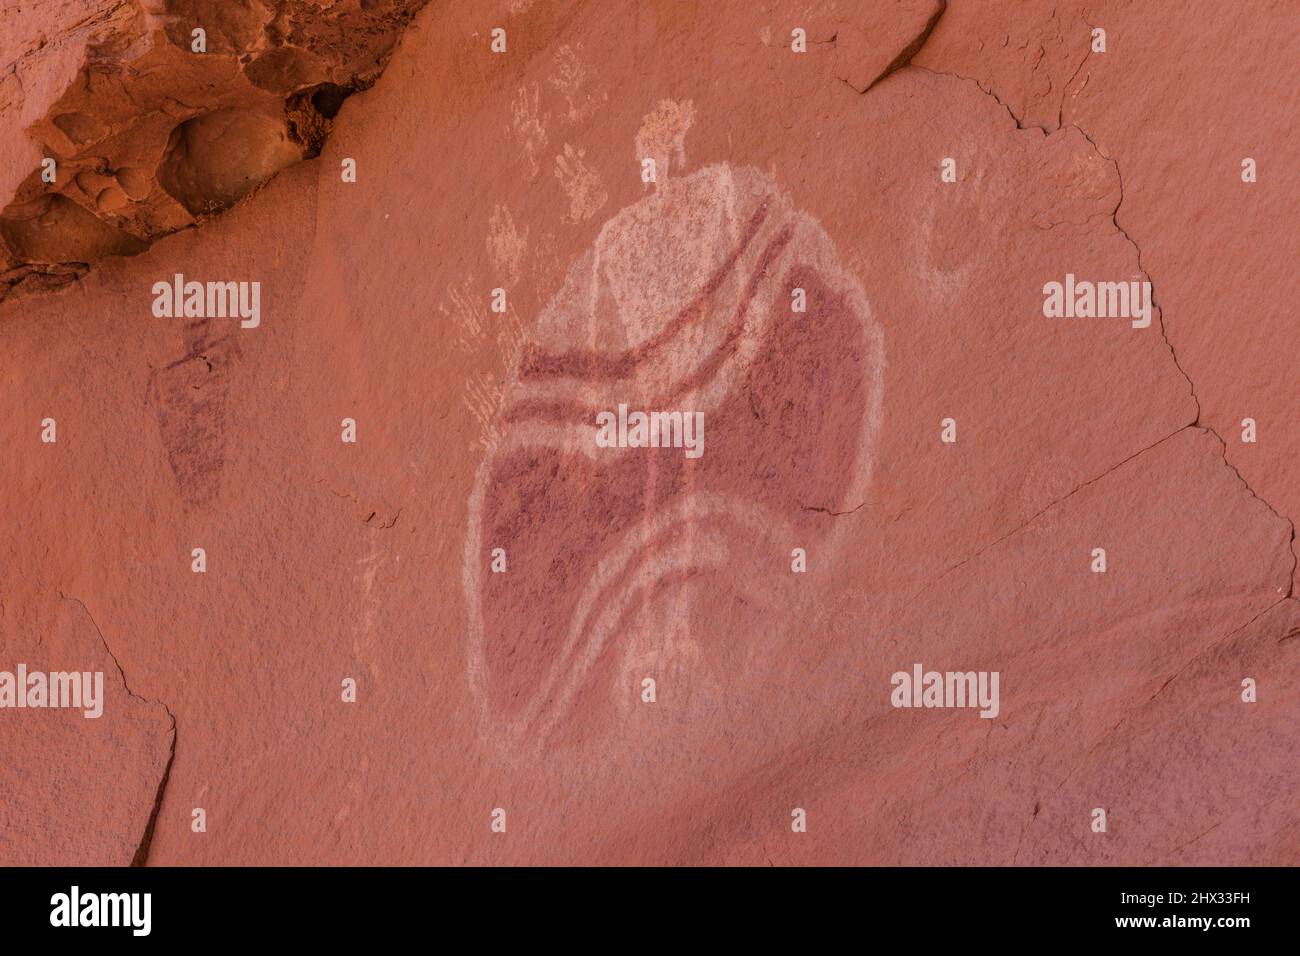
(637, 544)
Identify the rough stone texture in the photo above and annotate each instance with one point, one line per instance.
(75, 790)
(150, 136)
(1178, 107)
(521, 691)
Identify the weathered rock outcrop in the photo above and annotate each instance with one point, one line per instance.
(124, 120)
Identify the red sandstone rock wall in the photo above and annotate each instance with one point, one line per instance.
(826, 539)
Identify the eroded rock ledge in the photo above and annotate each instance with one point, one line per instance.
(147, 135)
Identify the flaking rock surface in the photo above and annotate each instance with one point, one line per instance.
(124, 120)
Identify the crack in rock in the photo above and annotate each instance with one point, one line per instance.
(141, 855)
(861, 64)
(1196, 422)
(1114, 216)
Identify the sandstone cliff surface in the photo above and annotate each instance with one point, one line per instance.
(775, 171)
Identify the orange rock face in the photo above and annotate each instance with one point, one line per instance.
(528, 433)
(124, 122)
